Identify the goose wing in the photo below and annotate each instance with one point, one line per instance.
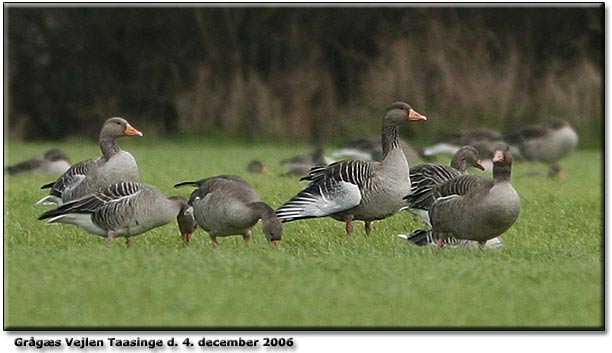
(332, 189)
(424, 178)
(110, 197)
(462, 185)
(73, 176)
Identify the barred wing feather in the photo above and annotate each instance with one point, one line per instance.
(332, 189)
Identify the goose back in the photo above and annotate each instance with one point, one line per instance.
(123, 209)
(221, 205)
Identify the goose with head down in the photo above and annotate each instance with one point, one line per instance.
(115, 165)
(227, 205)
(358, 190)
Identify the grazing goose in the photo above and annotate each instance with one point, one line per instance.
(547, 142)
(123, 209)
(228, 205)
(115, 165)
(257, 167)
(424, 177)
(52, 162)
(369, 149)
(301, 164)
(472, 207)
(358, 190)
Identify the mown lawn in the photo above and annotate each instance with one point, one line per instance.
(548, 275)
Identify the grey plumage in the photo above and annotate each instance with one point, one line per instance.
(301, 164)
(227, 205)
(54, 161)
(115, 165)
(471, 207)
(358, 190)
(546, 142)
(425, 177)
(122, 209)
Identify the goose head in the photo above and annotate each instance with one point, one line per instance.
(502, 162)
(55, 154)
(257, 167)
(118, 127)
(399, 112)
(185, 219)
(273, 230)
(466, 156)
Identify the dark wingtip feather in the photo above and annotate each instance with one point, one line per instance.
(185, 183)
(48, 214)
(47, 186)
(419, 237)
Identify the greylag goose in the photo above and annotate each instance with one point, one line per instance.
(228, 205)
(424, 177)
(547, 142)
(115, 165)
(257, 167)
(358, 190)
(472, 207)
(123, 209)
(53, 162)
(369, 149)
(300, 165)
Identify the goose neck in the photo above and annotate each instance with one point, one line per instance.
(390, 139)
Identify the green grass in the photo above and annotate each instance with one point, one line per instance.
(548, 275)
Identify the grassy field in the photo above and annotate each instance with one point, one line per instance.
(548, 275)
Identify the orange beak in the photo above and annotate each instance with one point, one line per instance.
(186, 237)
(498, 156)
(131, 131)
(479, 165)
(264, 170)
(414, 116)
(275, 243)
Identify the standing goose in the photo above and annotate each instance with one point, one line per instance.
(123, 209)
(228, 205)
(54, 161)
(547, 142)
(472, 207)
(358, 190)
(424, 177)
(115, 165)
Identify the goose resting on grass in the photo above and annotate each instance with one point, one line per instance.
(123, 209)
(115, 165)
(53, 162)
(228, 205)
(358, 190)
(547, 142)
(472, 207)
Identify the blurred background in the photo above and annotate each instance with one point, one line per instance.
(317, 75)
